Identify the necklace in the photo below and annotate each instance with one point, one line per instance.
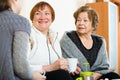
(52, 45)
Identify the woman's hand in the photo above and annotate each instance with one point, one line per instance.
(77, 71)
(38, 76)
(96, 75)
(61, 63)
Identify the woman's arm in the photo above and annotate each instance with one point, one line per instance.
(58, 64)
(103, 63)
(20, 52)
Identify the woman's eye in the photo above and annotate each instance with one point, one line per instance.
(78, 20)
(86, 20)
(37, 13)
(47, 13)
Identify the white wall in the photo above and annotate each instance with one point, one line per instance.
(64, 9)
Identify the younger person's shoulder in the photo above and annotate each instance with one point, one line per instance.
(17, 18)
(22, 18)
(22, 23)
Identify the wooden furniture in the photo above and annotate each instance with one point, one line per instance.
(119, 48)
(108, 28)
(117, 2)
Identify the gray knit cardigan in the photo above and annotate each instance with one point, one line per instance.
(69, 49)
(13, 62)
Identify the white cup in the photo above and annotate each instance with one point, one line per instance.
(72, 64)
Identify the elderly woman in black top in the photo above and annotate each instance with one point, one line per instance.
(86, 46)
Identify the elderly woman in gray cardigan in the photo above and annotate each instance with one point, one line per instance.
(86, 46)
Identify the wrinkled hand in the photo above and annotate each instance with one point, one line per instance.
(96, 75)
(61, 64)
(38, 76)
(77, 71)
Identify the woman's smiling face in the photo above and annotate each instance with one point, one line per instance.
(42, 19)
